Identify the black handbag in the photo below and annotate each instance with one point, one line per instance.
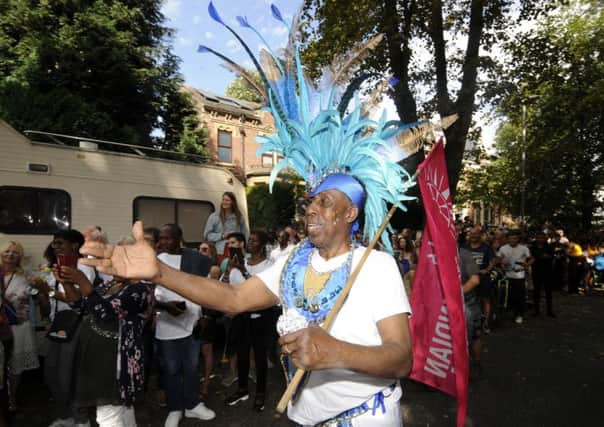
(64, 325)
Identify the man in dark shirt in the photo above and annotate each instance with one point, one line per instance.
(543, 254)
(469, 282)
(484, 258)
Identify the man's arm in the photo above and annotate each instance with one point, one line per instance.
(251, 295)
(529, 258)
(139, 261)
(472, 282)
(312, 348)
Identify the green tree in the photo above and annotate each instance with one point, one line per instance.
(98, 68)
(558, 77)
(495, 180)
(194, 141)
(240, 88)
(432, 72)
(276, 209)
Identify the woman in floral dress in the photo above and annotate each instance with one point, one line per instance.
(109, 359)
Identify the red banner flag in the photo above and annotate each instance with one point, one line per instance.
(438, 327)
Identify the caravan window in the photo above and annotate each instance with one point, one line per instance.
(27, 210)
(190, 215)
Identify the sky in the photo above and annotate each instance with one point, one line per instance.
(193, 26)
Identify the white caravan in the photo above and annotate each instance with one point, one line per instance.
(67, 182)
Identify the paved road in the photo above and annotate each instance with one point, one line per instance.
(546, 372)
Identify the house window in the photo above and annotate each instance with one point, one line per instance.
(267, 160)
(225, 146)
(28, 210)
(190, 215)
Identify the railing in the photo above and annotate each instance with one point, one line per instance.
(119, 147)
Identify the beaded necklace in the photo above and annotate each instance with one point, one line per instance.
(317, 301)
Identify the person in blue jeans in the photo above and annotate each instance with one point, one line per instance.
(178, 350)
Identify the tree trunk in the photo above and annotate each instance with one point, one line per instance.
(397, 33)
(397, 39)
(464, 105)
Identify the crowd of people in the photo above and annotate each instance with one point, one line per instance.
(107, 335)
(505, 270)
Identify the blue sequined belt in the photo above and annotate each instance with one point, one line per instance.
(344, 419)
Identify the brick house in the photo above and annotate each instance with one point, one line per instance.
(233, 125)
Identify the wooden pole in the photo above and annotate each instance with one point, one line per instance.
(293, 384)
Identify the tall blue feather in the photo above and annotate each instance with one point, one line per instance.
(214, 13)
(243, 21)
(277, 13)
(317, 136)
(216, 17)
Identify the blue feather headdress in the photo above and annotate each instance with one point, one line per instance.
(327, 142)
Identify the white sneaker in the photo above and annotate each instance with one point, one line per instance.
(201, 412)
(518, 320)
(63, 422)
(173, 419)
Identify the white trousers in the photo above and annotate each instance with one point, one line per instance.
(115, 416)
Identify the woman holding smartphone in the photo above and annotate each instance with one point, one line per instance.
(52, 297)
(255, 330)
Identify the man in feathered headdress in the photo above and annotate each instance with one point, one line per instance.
(350, 166)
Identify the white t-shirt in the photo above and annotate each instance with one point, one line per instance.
(254, 270)
(90, 274)
(170, 327)
(511, 258)
(377, 293)
(278, 252)
(236, 277)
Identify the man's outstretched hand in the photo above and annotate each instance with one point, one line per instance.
(137, 261)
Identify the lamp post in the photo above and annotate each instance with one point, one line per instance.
(523, 166)
(523, 158)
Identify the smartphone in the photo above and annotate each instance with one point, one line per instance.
(236, 254)
(67, 260)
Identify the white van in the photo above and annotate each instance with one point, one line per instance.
(51, 182)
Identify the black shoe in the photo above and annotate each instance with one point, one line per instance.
(259, 402)
(238, 396)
